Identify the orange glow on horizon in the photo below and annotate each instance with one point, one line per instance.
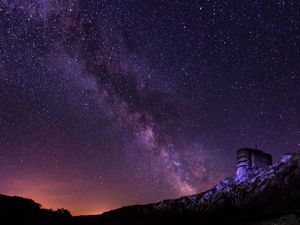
(54, 195)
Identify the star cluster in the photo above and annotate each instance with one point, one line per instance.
(110, 103)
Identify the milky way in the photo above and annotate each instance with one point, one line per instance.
(110, 103)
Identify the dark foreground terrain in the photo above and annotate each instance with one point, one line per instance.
(17, 210)
(268, 196)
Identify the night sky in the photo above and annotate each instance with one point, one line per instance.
(111, 103)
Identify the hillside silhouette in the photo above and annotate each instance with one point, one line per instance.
(17, 210)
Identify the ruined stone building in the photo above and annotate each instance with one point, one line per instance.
(249, 159)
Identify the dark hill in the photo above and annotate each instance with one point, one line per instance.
(17, 211)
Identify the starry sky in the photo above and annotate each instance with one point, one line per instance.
(111, 103)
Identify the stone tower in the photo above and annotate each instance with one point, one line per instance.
(249, 159)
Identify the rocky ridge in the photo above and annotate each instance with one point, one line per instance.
(261, 193)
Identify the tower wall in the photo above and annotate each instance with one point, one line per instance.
(249, 159)
(261, 159)
(243, 162)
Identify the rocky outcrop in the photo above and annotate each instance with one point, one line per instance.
(261, 193)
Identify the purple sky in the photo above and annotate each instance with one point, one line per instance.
(110, 103)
